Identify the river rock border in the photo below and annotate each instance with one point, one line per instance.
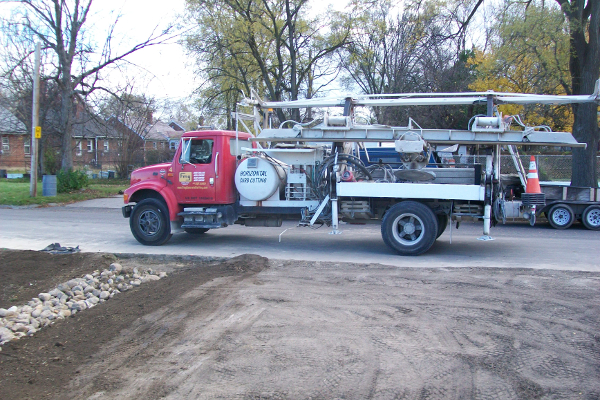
(69, 298)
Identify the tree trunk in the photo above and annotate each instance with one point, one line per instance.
(66, 127)
(585, 130)
(293, 59)
(584, 65)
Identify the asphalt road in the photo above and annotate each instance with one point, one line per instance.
(97, 225)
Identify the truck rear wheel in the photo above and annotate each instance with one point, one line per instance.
(591, 217)
(410, 228)
(561, 216)
(442, 224)
(149, 222)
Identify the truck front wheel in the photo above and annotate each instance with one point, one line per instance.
(150, 223)
(410, 228)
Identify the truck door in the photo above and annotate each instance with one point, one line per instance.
(194, 171)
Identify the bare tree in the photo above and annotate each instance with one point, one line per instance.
(584, 64)
(583, 18)
(16, 87)
(403, 51)
(128, 118)
(60, 26)
(184, 113)
(271, 45)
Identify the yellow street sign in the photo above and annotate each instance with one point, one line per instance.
(38, 132)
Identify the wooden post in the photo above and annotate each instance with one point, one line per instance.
(35, 130)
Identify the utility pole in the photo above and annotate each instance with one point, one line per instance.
(36, 131)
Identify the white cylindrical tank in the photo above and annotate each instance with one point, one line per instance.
(258, 179)
(488, 121)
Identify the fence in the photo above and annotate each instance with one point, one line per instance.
(550, 167)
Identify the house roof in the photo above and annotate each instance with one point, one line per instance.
(10, 124)
(177, 126)
(162, 131)
(159, 131)
(87, 125)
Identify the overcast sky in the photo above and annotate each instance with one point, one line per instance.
(165, 70)
(169, 73)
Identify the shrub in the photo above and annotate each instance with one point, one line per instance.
(51, 161)
(70, 180)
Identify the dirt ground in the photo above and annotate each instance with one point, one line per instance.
(250, 328)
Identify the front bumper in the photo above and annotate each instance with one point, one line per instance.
(126, 210)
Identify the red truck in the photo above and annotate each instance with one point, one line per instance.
(200, 173)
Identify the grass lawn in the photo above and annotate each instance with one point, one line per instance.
(16, 192)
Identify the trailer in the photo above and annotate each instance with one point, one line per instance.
(309, 172)
(564, 204)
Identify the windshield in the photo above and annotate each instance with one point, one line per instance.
(196, 151)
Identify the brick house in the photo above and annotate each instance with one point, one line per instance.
(155, 139)
(161, 140)
(96, 143)
(15, 153)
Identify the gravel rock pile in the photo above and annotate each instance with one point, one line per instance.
(69, 298)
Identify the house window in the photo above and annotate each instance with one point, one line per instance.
(78, 148)
(173, 145)
(90, 146)
(5, 144)
(27, 145)
(106, 145)
(154, 144)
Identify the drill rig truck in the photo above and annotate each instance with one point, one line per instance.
(310, 172)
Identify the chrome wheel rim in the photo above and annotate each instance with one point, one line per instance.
(561, 216)
(593, 217)
(408, 229)
(149, 223)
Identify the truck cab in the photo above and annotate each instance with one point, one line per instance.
(196, 191)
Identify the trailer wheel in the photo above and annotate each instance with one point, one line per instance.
(561, 216)
(442, 224)
(410, 228)
(150, 223)
(196, 231)
(591, 217)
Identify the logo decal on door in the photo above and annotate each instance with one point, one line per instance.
(185, 177)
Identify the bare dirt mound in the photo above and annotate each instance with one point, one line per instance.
(251, 328)
(27, 273)
(41, 365)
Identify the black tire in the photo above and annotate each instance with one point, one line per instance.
(196, 231)
(149, 222)
(419, 227)
(442, 224)
(591, 217)
(561, 216)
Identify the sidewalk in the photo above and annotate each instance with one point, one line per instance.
(108, 202)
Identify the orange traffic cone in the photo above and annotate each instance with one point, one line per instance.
(533, 181)
(533, 195)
